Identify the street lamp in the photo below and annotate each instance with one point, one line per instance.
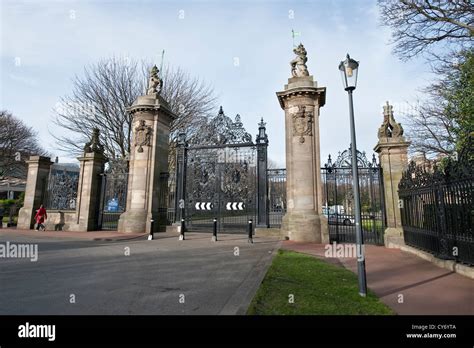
(349, 70)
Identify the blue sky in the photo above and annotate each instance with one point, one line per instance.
(53, 40)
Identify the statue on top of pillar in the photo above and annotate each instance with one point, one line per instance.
(155, 83)
(298, 65)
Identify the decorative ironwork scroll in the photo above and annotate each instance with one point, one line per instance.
(62, 189)
(221, 130)
(344, 159)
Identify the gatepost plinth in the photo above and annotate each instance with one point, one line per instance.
(152, 117)
(301, 99)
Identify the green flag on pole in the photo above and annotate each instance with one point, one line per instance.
(294, 34)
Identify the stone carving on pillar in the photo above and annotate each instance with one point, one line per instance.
(94, 144)
(155, 84)
(302, 123)
(298, 65)
(389, 128)
(143, 135)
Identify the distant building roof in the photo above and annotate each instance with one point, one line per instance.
(9, 183)
(70, 167)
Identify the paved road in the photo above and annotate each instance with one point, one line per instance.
(151, 280)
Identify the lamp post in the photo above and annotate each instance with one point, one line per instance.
(349, 70)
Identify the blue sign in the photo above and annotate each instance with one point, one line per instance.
(113, 205)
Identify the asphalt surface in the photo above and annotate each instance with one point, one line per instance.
(162, 276)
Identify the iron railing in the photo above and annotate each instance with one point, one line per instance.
(437, 209)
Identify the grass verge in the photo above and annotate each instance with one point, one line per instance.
(315, 286)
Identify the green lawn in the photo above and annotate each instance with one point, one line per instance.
(318, 288)
(369, 224)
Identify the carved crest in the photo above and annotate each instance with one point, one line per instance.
(390, 128)
(143, 135)
(302, 123)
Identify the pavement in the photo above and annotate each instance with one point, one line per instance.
(405, 282)
(90, 235)
(100, 273)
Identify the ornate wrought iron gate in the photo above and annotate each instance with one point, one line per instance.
(338, 200)
(220, 183)
(223, 179)
(276, 179)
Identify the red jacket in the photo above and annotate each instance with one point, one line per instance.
(41, 215)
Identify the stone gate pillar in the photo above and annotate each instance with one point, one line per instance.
(301, 100)
(392, 149)
(36, 186)
(88, 191)
(152, 117)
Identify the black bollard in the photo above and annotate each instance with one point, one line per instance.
(150, 237)
(250, 231)
(181, 236)
(214, 232)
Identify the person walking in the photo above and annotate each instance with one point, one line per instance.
(40, 216)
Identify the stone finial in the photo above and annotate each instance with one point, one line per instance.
(238, 119)
(94, 145)
(390, 128)
(298, 65)
(154, 82)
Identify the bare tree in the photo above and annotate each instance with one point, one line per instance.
(100, 97)
(421, 26)
(17, 143)
(440, 123)
(429, 130)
